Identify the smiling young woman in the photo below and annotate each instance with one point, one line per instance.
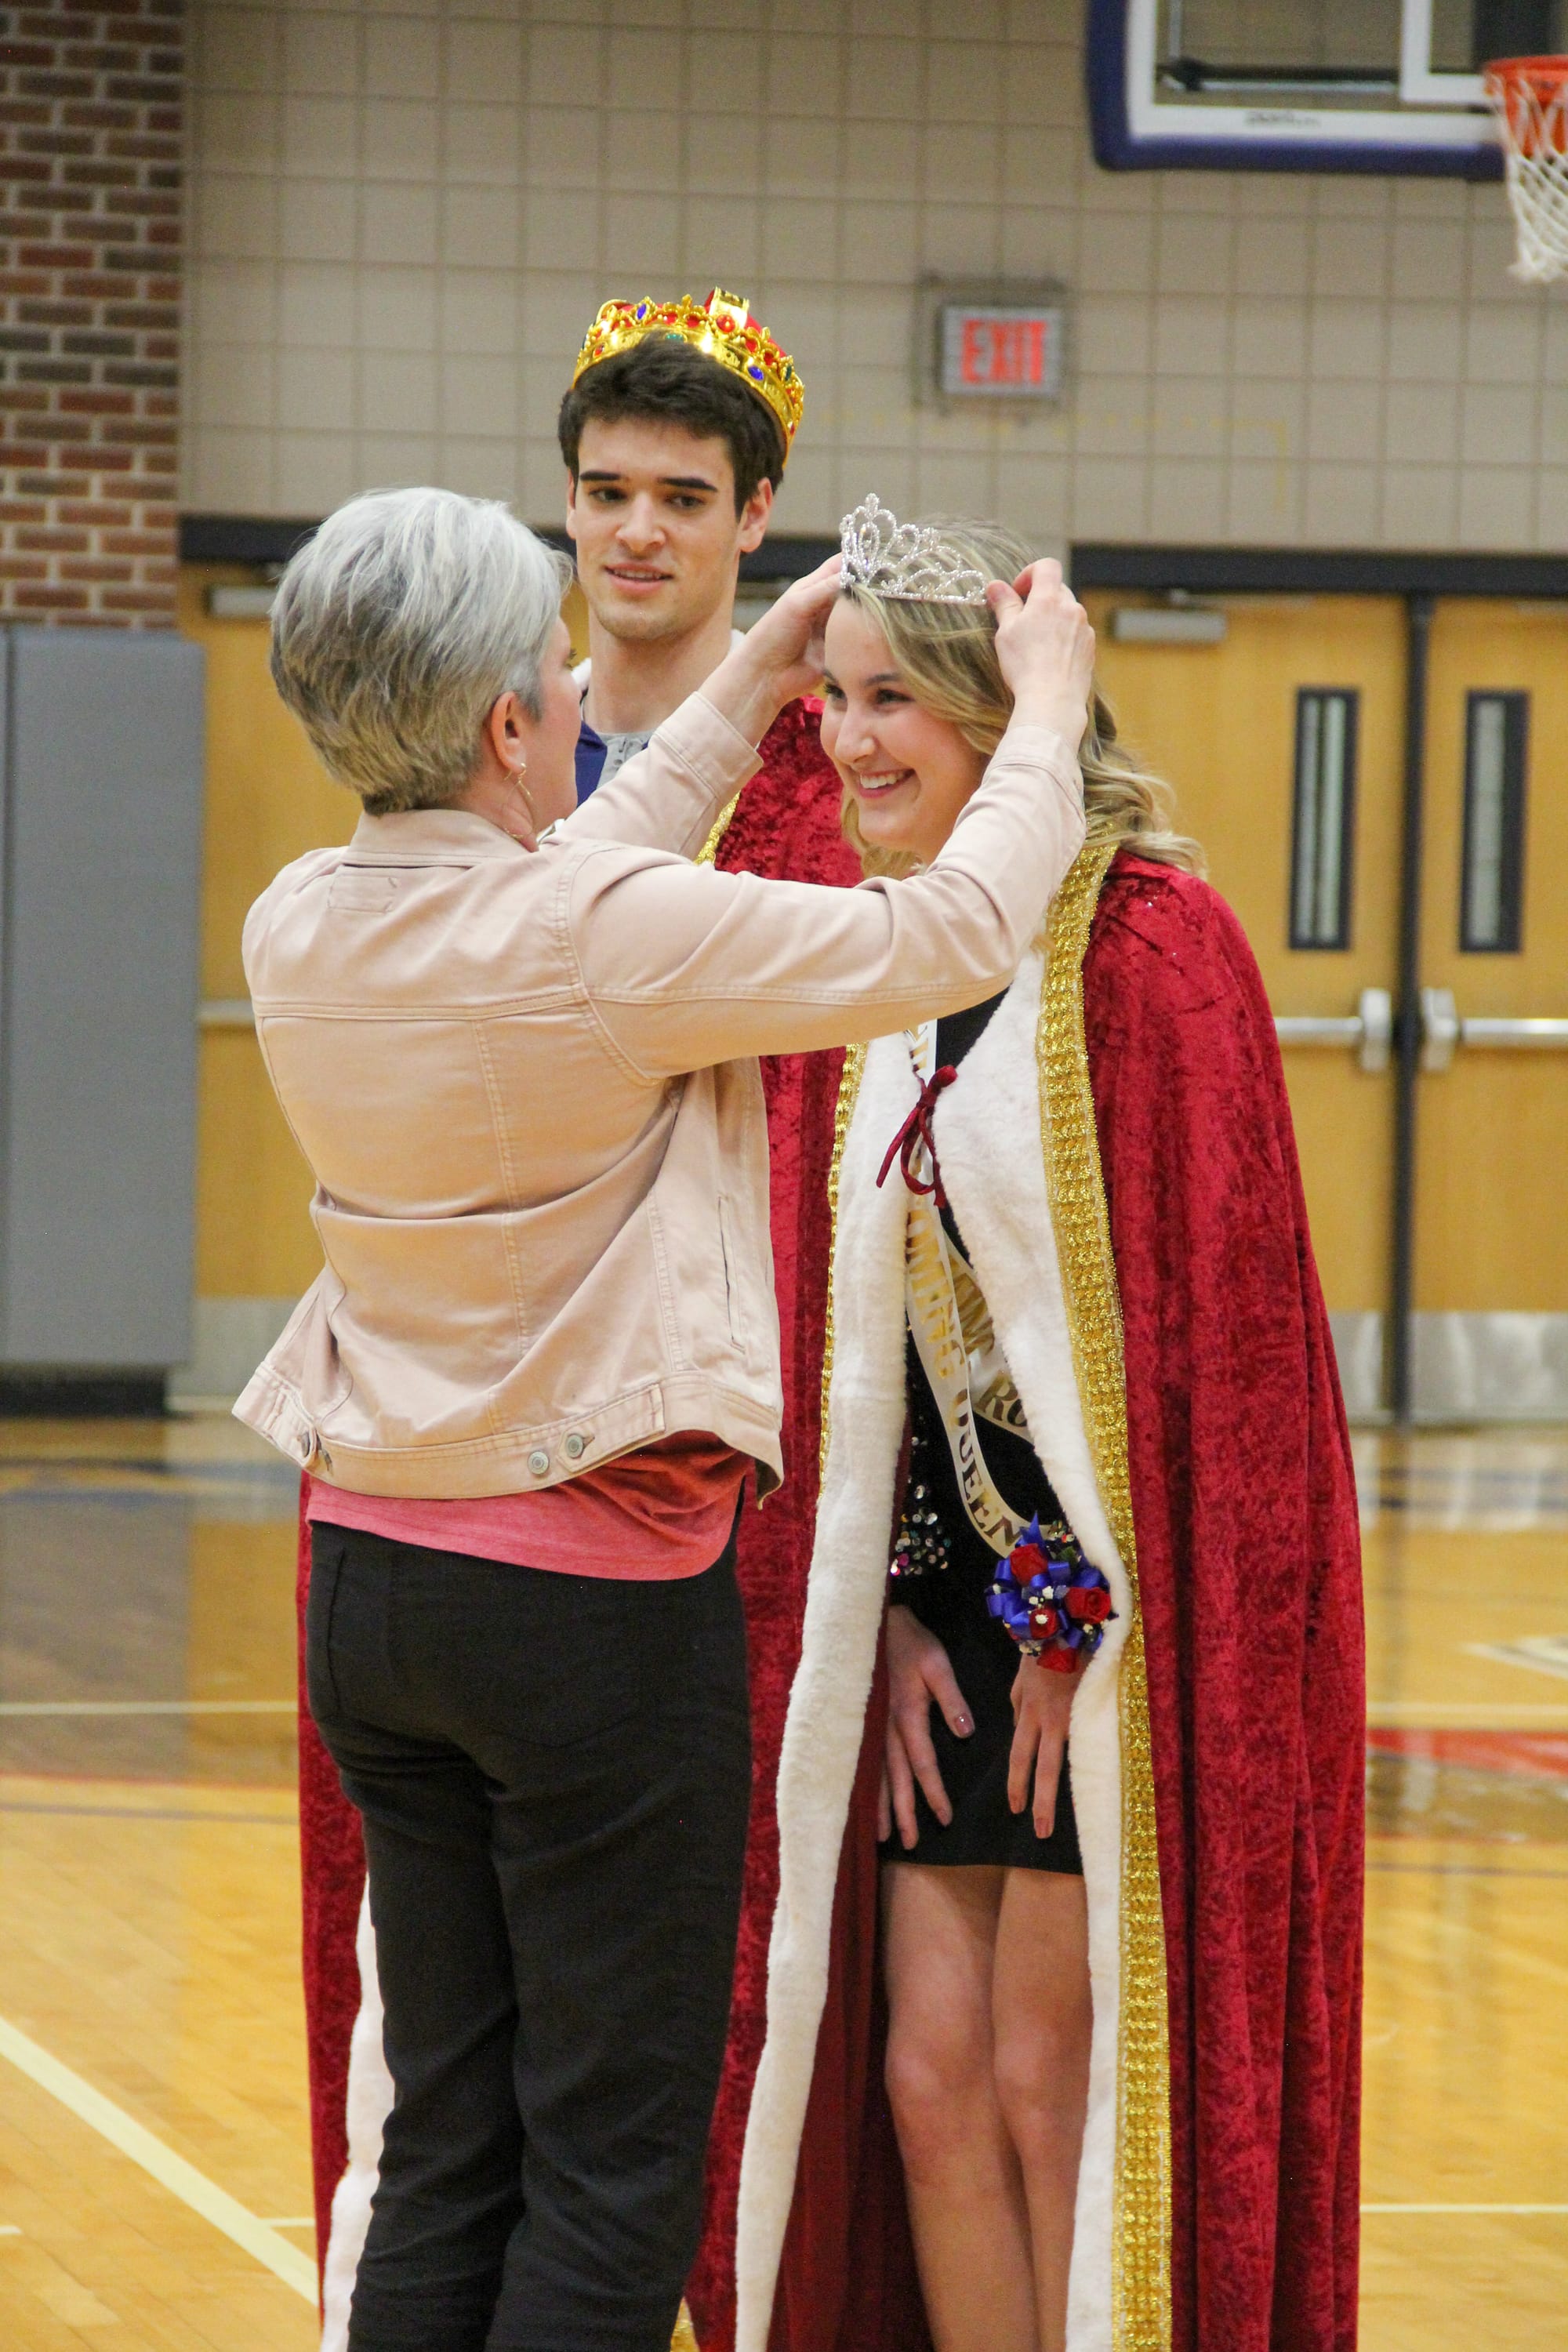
(915, 704)
(1111, 1762)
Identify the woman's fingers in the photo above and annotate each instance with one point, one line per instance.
(785, 646)
(1021, 1757)
(903, 1787)
(1045, 648)
(801, 614)
(1048, 1778)
(942, 1685)
(1044, 573)
(884, 1806)
(914, 1727)
(1042, 1714)
(817, 589)
(918, 1671)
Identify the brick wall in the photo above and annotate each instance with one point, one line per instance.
(91, 251)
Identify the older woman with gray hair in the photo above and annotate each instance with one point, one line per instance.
(516, 1042)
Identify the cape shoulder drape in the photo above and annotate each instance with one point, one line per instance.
(1119, 1154)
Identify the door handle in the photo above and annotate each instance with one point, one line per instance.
(1533, 1034)
(1440, 1028)
(1368, 1031)
(1444, 1027)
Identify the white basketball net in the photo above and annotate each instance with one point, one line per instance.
(1534, 131)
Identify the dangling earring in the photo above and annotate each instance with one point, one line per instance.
(518, 773)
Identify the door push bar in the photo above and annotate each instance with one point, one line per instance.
(1444, 1027)
(1369, 1030)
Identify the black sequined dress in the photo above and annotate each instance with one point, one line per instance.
(951, 1599)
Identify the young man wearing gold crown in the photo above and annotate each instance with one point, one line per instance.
(675, 432)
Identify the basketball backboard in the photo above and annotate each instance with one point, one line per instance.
(1391, 86)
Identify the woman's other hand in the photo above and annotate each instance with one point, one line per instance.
(1045, 649)
(780, 656)
(919, 1673)
(1042, 1703)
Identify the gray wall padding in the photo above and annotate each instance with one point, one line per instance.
(99, 903)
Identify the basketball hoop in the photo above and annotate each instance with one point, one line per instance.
(1530, 98)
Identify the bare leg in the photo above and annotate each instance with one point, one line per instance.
(1042, 2020)
(967, 2209)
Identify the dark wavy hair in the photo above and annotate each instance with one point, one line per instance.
(664, 379)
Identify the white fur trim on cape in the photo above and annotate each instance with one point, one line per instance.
(987, 1128)
(369, 2104)
(828, 1701)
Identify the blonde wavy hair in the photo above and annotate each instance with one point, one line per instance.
(946, 655)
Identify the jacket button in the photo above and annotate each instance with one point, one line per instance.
(539, 1462)
(576, 1447)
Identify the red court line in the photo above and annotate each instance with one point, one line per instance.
(1523, 1755)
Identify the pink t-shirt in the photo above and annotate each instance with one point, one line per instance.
(661, 1512)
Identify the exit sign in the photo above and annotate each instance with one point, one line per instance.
(1002, 351)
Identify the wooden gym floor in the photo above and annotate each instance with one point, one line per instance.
(153, 2156)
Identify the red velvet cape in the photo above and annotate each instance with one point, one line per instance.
(1248, 1561)
(786, 828)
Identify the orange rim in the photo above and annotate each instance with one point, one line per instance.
(1515, 80)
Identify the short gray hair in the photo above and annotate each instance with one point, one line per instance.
(395, 629)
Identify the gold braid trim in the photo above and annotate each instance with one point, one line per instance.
(685, 2337)
(710, 849)
(848, 1094)
(1141, 2245)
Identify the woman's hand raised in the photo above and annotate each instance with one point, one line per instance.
(781, 655)
(1045, 649)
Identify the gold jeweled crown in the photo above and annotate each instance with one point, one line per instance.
(721, 328)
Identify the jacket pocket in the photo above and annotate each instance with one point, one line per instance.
(731, 1272)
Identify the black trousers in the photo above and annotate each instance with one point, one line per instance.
(553, 1774)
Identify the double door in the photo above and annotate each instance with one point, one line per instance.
(1376, 779)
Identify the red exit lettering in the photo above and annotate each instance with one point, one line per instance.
(1001, 352)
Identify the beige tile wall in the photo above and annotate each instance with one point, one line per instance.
(404, 213)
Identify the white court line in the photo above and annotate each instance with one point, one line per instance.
(149, 1707)
(1465, 2209)
(1538, 1653)
(289, 2263)
(10, 2230)
(1490, 1711)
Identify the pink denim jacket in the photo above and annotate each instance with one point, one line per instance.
(526, 1085)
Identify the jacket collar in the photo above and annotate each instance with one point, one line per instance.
(438, 837)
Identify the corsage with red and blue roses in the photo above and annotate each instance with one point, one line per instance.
(1054, 1604)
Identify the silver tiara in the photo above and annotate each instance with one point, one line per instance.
(905, 558)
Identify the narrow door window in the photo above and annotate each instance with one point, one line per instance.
(1492, 900)
(1325, 816)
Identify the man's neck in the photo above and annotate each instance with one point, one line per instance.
(634, 686)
